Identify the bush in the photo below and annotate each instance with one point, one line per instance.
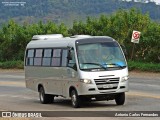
(11, 64)
(119, 25)
(152, 67)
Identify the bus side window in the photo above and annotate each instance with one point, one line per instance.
(29, 57)
(64, 57)
(56, 59)
(38, 57)
(47, 57)
(72, 62)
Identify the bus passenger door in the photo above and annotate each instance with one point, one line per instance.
(70, 75)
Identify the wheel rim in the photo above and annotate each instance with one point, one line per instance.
(74, 99)
(41, 95)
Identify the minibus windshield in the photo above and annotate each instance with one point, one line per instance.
(100, 56)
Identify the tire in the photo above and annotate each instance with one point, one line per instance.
(120, 98)
(45, 98)
(75, 99)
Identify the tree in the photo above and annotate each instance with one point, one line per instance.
(120, 26)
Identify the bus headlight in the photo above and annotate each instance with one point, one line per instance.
(87, 81)
(125, 78)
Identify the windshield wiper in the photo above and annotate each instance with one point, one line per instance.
(97, 65)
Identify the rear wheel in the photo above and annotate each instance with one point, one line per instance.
(120, 98)
(75, 99)
(45, 98)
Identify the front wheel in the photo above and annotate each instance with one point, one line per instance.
(120, 98)
(75, 99)
(45, 98)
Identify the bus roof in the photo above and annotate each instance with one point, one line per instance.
(49, 41)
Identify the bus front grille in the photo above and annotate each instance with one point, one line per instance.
(107, 83)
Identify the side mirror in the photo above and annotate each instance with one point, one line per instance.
(69, 56)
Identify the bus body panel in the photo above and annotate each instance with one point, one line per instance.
(55, 81)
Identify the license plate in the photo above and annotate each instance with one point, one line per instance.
(108, 86)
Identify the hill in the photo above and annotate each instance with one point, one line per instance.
(66, 11)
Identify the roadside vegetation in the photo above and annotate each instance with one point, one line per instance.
(142, 66)
(12, 64)
(119, 25)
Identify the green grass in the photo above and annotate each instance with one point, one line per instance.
(142, 66)
(11, 65)
(132, 65)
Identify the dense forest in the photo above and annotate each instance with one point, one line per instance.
(119, 25)
(68, 10)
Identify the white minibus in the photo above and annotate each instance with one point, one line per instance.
(80, 67)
